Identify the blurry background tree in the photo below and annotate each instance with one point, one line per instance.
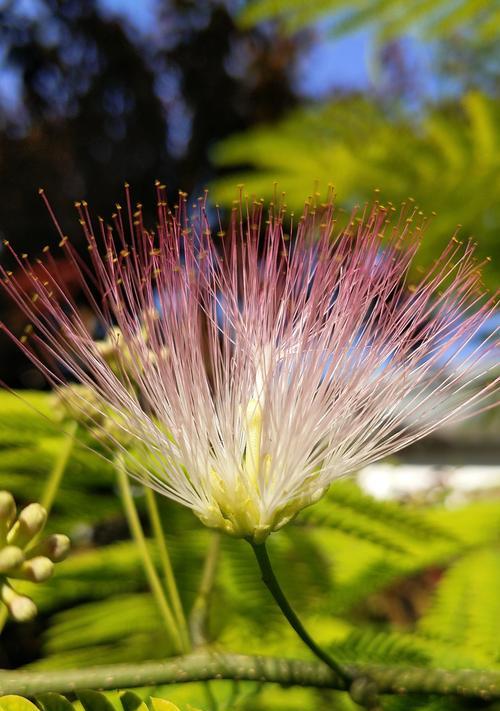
(431, 133)
(92, 97)
(98, 92)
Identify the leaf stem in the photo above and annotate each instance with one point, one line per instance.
(270, 580)
(57, 473)
(138, 536)
(168, 573)
(198, 618)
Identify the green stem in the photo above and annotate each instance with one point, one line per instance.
(199, 614)
(465, 683)
(138, 536)
(168, 573)
(56, 475)
(270, 580)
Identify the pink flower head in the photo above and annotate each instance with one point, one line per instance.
(254, 367)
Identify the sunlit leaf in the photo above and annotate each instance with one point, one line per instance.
(162, 705)
(94, 701)
(53, 702)
(16, 703)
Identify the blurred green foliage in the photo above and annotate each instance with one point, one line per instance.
(446, 161)
(375, 581)
(392, 17)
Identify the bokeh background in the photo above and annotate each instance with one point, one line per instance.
(375, 94)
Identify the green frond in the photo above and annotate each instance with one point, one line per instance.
(102, 622)
(466, 607)
(398, 519)
(448, 161)
(379, 647)
(429, 19)
(348, 525)
(476, 524)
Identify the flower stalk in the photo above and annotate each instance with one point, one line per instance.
(57, 473)
(198, 619)
(270, 580)
(149, 568)
(166, 564)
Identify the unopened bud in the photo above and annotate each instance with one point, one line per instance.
(21, 608)
(31, 521)
(10, 557)
(36, 570)
(77, 402)
(55, 547)
(7, 513)
(111, 433)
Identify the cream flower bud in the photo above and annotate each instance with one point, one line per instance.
(35, 569)
(55, 547)
(30, 521)
(21, 607)
(10, 557)
(20, 560)
(77, 402)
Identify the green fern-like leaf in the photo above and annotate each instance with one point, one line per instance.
(348, 525)
(448, 162)
(429, 19)
(466, 608)
(380, 648)
(396, 519)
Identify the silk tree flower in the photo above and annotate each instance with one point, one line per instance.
(253, 367)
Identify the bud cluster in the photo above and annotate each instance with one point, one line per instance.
(22, 557)
(83, 404)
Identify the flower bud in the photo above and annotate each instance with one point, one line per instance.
(112, 431)
(21, 608)
(31, 521)
(36, 570)
(10, 557)
(55, 547)
(110, 346)
(77, 402)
